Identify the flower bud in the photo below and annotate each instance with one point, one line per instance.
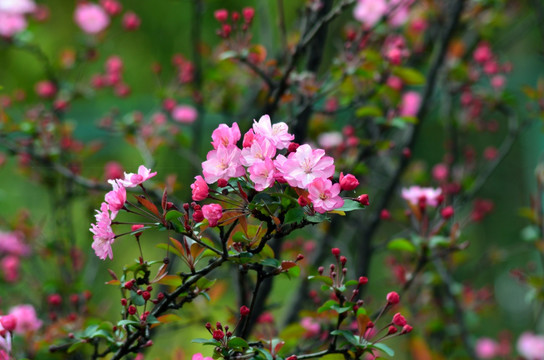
(363, 280)
(399, 320)
(222, 183)
(244, 311)
(198, 216)
(363, 199)
(135, 228)
(221, 15)
(54, 299)
(447, 212)
(218, 334)
(393, 298)
(292, 147)
(385, 214)
(132, 309)
(406, 329)
(9, 322)
(335, 252)
(124, 302)
(146, 295)
(392, 330)
(348, 182)
(248, 13)
(292, 357)
(303, 200)
(343, 260)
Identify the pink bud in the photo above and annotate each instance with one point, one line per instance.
(218, 334)
(46, 89)
(385, 214)
(9, 322)
(363, 280)
(131, 21)
(399, 320)
(132, 309)
(221, 15)
(348, 182)
(248, 13)
(244, 311)
(363, 199)
(303, 200)
(393, 298)
(391, 330)
(447, 212)
(335, 252)
(406, 329)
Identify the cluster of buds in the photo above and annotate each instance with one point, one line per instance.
(237, 21)
(113, 77)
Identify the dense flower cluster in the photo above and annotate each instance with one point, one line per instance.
(260, 160)
(12, 16)
(114, 201)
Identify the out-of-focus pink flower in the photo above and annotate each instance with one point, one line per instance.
(324, 195)
(262, 173)
(531, 346)
(482, 53)
(114, 64)
(8, 322)
(486, 348)
(222, 163)
(213, 213)
(348, 182)
(112, 7)
(498, 82)
(311, 326)
(103, 234)
(305, 165)
(200, 189)
(277, 134)
(440, 172)
(329, 140)
(113, 170)
(415, 194)
(116, 198)
(199, 356)
(399, 320)
(369, 12)
(184, 114)
(394, 83)
(491, 153)
(410, 103)
(10, 268)
(27, 321)
(131, 21)
(221, 15)
(91, 18)
(259, 150)
(225, 135)
(132, 180)
(11, 243)
(400, 10)
(17, 6)
(11, 24)
(46, 89)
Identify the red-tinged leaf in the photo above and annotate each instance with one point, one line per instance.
(419, 349)
(243, 224)
(160, 274)
(362, 322)
(242, 192)
(196, 250)
(278, 346)
(276, 220)
(170, 280)
(147, 204)
(286, 265)
(113, 282)
(168, 318)
(177, 245)
(230, 217)
(113, 274)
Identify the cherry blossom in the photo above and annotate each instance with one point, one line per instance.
(262, 173)
(91, 18)
(213, 213)
(184, 114)
(369, 12)
(531, 346)
(199, 188)
(103, 234)
(277, 134)
(132, 180)
(27, 320)
(303, 166)
(324, 195)
(222, 163)
(116, 198)
(225, 135)
(415, 193)
(260, 149)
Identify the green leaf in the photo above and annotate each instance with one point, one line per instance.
(324, 279)
(75, 346)
(327, 306)
(401, 244)
(439, 241)
(351, 205)
(293, 272)
(339, 309)
(369, 110)
(128, 322)
(352, 339)
(206, 341)
(237, 342)
(204, 283)
(382, 347)
(171, 249)
(271, 262)
(229, 54)
(294, 215)
(136, 299)
(317, 218)
(409, 76)
(264, 353)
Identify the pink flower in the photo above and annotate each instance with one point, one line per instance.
(410, 104)
(184, 114)
(482, 53)
(329, 140)
(305, 165)
(222, 163)
(11, 24)
(400, 10)
(113, 170)
(91, 18)
(399, 320)
(199, 188)
(199, 356)
(486, 348)
(103, 234)
(213, 213)
(415, 194)
(27, 321)
(498, 82)
(324, 195)
(46, 89)
(11, 243)
(131, 21)
(114, 64)
(226, 136)
(10, 267)
(5, 343)
(531, 346)
(440, 172)
(348, 182)
(8, 322)
(262, 173)
(116, 198)
(277, 134)
(112, 7)
(311, 326)
(259, 150)
(369, 12)
(132, 180)
(17, 6)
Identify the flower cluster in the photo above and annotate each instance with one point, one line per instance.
(12, 16)
(12, 248)
(114, 201)
(22, 320)
(260, 161)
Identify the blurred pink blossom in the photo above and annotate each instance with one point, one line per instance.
(531, 346)
(486, 348)
(184, 114)
(410, 102)
(414, 194)
(91, 18)
(11, 24)
(27, 321)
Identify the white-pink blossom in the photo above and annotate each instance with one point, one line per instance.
(185, 114)
(132, 180)
(225, 135)
(11, 243)
(415, 194)
(260, 149)
(369, 12)
(17, 6)
(103, 234)
(91, 18)
(213, 213)
(277, 134)
(27, 320)
(300, 168)
(531, 346)
(11, 24)
(324, 195)
(222, 163)
(116, 198)
(262, 174)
